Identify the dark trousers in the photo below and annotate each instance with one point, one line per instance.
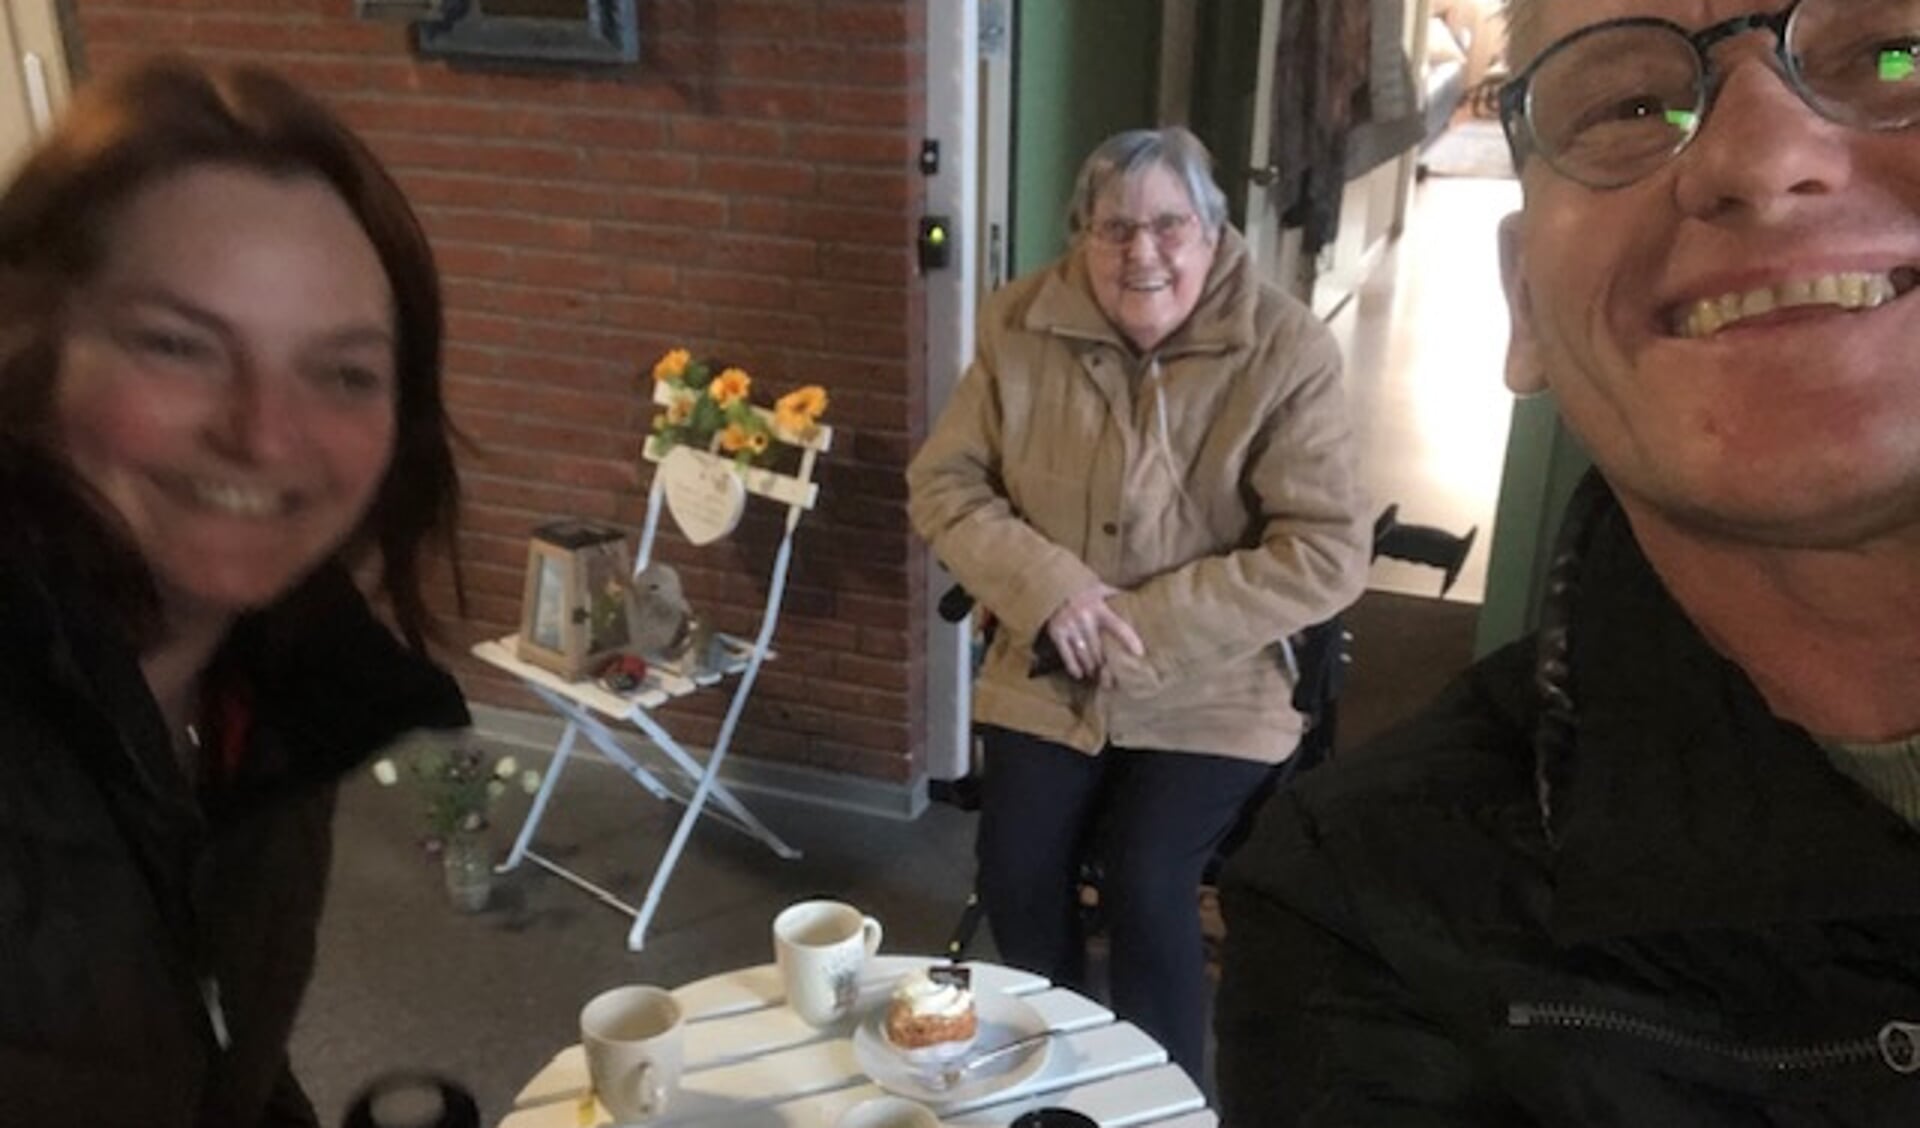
(1163, 813)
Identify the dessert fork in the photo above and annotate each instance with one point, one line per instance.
(951, 1075)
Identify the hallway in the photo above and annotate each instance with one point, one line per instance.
(1425, 340)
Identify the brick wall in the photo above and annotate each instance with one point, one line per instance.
(747, 190)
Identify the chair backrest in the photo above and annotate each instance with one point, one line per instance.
(796, 490)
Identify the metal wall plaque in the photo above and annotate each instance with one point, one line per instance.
(542, 31)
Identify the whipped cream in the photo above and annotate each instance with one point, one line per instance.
(924, 998)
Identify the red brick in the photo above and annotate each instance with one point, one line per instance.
(651, 278)
(528, 302)
(507, 229)
(681, 209)
(894, 188)
(859, 106)
(888, 644)
(467, 155)
(781, 60)
(881, 66)
(630, 131)
(765, 327)
(868, 263)
(653, 170)
(573, 272)
(854, 146)
(708, 135)
(774, 217)
(793, 257)
(886, 304)
(730, 288)
(657, 315)
(756, 178)
(771, 20)
(531, 399)
(776, 101)
(881, 22)
(647, 244)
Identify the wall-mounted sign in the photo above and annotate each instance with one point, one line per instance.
(543, 31)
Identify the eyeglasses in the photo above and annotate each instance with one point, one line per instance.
(1613, 102)
(1170, 230)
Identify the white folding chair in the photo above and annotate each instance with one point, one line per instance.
(588, 707)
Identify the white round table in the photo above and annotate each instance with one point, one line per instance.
(752, 1062)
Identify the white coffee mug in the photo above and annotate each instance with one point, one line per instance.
(888, 1112)
(821, 947)
(635, 1050)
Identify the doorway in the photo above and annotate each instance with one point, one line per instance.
(34, 80)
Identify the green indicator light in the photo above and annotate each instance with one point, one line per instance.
(937, 236)
(1896, 65)
(1682, 120)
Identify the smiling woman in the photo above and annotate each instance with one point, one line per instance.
(1149, 471)
(219, 394)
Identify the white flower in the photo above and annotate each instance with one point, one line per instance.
(505, 767)
(385, 771)
(496, 788)
(529, 781)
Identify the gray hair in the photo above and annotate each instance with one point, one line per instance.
(1130, 154)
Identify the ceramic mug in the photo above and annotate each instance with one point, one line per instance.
(888, 1112)
(820, 947)
(635, 1049)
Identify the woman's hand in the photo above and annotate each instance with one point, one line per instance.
(1079, 630)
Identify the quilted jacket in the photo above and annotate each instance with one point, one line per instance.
(1213, 481)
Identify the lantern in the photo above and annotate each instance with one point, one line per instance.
(576, 610)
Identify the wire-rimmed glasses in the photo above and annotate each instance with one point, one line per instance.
(1615, 101)
(1170, 230)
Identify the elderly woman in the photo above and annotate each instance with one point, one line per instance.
(1149, 469)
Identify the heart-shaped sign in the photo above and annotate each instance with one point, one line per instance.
(704, 494)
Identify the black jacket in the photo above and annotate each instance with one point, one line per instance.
(1719, 929)
(135, 908)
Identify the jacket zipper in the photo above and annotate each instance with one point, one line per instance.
(1896, 1046)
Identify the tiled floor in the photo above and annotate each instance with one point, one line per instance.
(1425, 339)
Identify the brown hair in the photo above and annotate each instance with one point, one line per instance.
(167, 114)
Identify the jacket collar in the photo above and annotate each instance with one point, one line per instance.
(1682, 800)
(1222, 320)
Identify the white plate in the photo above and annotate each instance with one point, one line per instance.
(1003, 1019)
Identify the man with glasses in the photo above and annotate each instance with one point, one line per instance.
(1658, 864)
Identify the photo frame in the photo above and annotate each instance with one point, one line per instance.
(538, 31)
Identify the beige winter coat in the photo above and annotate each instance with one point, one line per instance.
(1213, 482)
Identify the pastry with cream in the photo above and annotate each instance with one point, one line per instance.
(932, 1010)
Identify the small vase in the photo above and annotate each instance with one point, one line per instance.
(468, 865)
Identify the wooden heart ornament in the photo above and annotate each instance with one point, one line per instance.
(704, 494)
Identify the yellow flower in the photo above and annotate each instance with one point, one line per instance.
(736, 438)
(679, 409)
(730, 387)
(798, 411)
(673, 365)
